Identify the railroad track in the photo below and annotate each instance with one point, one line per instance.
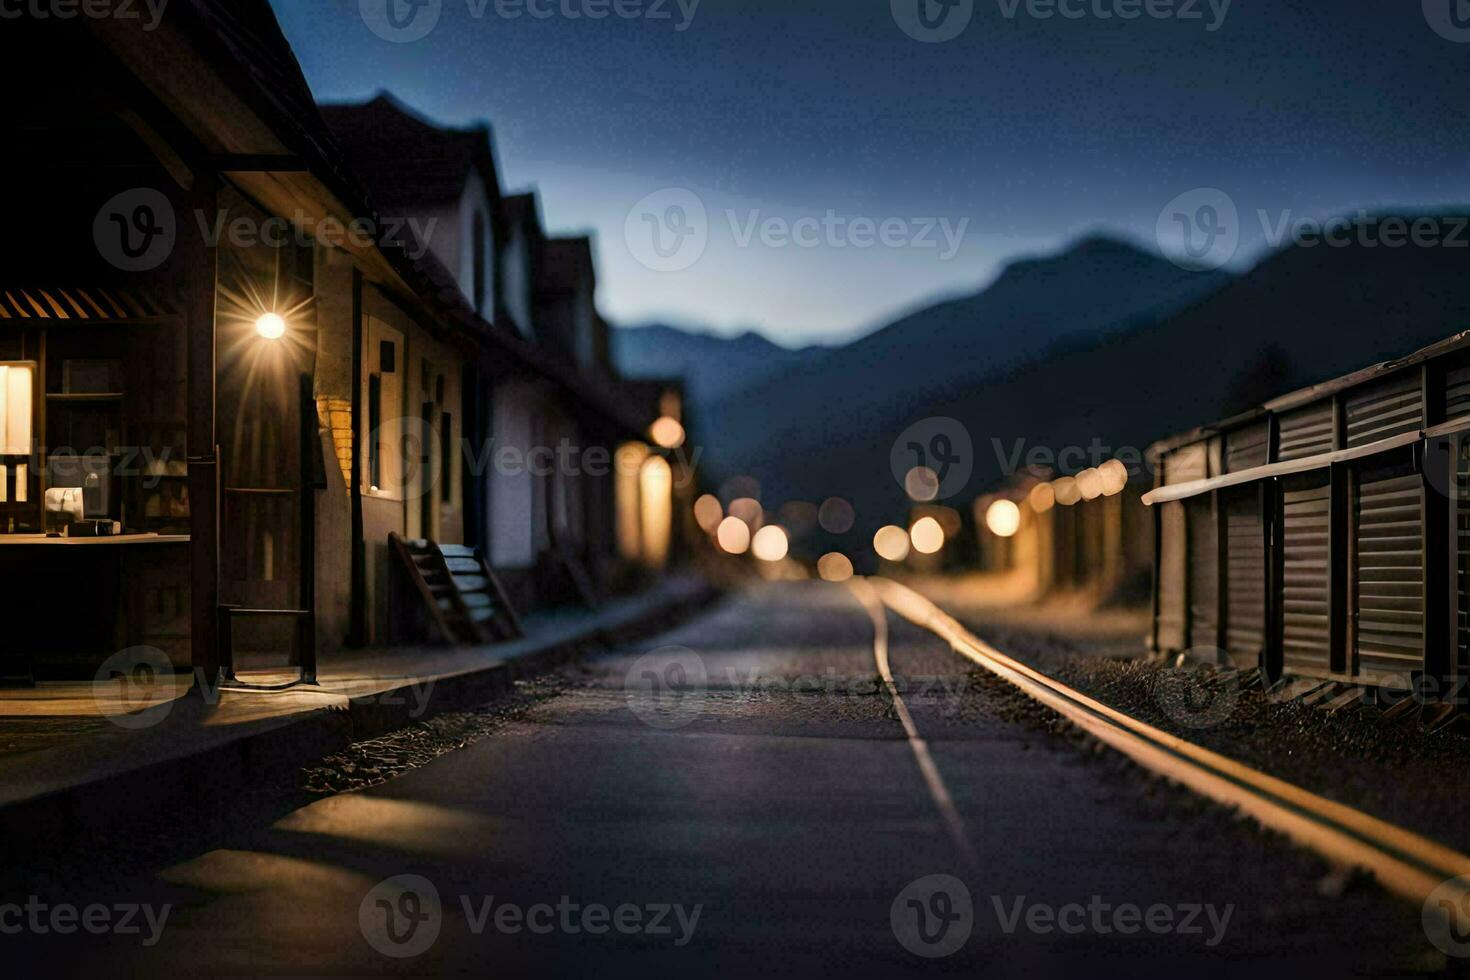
(1403, 862)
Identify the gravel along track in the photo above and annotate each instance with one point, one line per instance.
(1393, 770)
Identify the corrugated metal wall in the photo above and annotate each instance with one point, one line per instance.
(1305, 600)
(1387, 408)
(1245, 581)
(1461, 531)
(1247, 447)
(1388, 593)
(1172, 564)
(1204, 572)
(1306, 431)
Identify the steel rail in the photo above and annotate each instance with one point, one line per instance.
(1402, 861)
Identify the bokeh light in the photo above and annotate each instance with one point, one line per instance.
(734, 536)
(770, 543)
(667, 432)
(709, 513)
(1043, 498)
(834, 567)
(1003, 518)
(891, 543)
(921, 484)
(1114, 477)
(747, 510)
(836, 516)
(1090, 484)
(1067, 491)
(927, 536)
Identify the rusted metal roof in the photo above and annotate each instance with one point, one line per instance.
(87, 304)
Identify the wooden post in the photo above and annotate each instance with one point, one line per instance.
(200, 264)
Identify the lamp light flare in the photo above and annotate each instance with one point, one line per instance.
(1003, 518)
(927, 536)
(734, 536)
(270, 326)
(770, 543)
(891, 543)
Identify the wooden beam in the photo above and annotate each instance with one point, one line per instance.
(200, 262)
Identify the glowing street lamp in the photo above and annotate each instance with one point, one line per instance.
(270, 326)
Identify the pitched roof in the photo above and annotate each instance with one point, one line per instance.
(407, 160)
(565, 264)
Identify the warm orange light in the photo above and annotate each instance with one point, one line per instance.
(834, 567)
(1043, 498)
(927, 536)
(709, 513)
(734, 536)
(1090, 484)
(270, 326)
(891, 543)
(667, 432)
(922, 484)
(1067, 491)
(1114, 477)
(770, 543)
(1003, 518)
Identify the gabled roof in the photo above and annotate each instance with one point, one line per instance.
(408, 161)
(566, 264)
(523, 211)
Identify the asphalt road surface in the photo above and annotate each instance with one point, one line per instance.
(742, 797)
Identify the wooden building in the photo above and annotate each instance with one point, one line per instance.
(229, 372)
(1323, 535)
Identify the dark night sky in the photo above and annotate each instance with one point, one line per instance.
(1035, 130)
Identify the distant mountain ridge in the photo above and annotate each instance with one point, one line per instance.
(713, 367)
(1300, 316)
(1096, 288)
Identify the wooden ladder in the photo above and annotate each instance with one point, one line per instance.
(463, 598)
